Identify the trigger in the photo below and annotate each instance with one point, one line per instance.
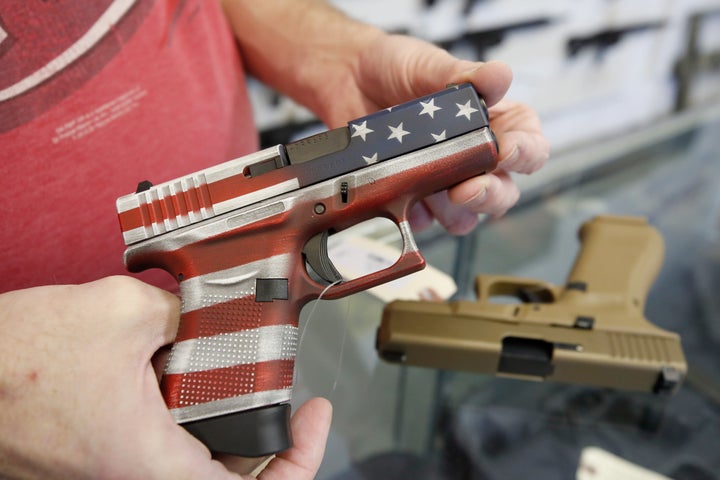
(316, 255)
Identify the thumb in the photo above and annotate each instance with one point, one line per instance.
(491, 79)
(427, 68)
(310, 426)
(149, 314)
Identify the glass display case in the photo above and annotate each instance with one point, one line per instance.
(392, 421)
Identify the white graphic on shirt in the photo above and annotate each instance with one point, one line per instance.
(3, 35)
(115, 12)
(97, 118)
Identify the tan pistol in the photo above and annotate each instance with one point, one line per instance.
(592, 331)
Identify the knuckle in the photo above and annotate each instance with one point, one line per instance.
(503, 200)
(120, 283)
(133, 297)
(460, 224)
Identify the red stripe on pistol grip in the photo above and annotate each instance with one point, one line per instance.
(234, 316)
(193, 388)
(237, 315)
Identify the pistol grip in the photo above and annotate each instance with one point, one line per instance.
(619, 259)
(229, 376)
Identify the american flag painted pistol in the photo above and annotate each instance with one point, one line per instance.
(246, 240)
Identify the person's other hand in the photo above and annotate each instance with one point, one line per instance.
(393, 69)
(79, 397)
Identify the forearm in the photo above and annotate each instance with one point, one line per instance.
(302, 48)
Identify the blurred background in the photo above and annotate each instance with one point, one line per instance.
(591, 68)
(628, 92)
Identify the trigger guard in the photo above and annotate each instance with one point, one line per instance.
(316, 255)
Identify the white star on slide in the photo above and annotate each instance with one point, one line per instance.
(465, 110)
(370, 160)
(440, 137)
(397, 132)
(361, 130)
(429, 108)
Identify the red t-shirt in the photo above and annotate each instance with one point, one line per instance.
(95, 97)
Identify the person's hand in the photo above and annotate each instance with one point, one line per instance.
(342, 69)
(79, 397)
(393, 69)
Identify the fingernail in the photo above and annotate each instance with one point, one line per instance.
(465, 75)
(481, 185)
(512, 158)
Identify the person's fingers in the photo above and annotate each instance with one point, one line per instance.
(523, 147)
(436, 69)
(492, 194)
(454, 217)
(491, 79)
(457, 209)
(420, 217)
(400, 68)
(151, 314)
(242, 465)
(522, 152)
(190, 459)
(310, 426)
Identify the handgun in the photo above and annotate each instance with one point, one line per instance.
(590, 331)
(247, 242)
